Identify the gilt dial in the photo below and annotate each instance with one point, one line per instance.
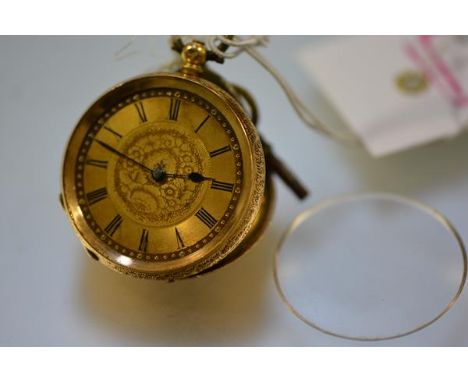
(164, 177)
(159, 175)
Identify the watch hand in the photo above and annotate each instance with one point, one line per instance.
(197, 177)
(193, 176)
(158, 173)
(115, 151)
(168, 174)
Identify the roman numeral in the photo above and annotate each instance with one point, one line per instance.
(222, 150)
(112, 131)
(97, 163)
(97, 195)
(222, 186)
(143, 241)
(114, 225)
(141, 111)
(180, 242)
(202, 123)
(206, 218)
(174, 109)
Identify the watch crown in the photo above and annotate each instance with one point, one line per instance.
(193, 58)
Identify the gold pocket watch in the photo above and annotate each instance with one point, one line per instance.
(165, 175)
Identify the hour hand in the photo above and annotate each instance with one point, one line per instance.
(195, 177)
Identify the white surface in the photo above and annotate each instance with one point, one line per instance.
(52, 294)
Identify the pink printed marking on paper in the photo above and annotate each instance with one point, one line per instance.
(414, 55)
(459, 98)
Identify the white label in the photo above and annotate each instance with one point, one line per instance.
(395, 92)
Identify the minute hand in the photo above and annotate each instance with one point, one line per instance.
(115, 151)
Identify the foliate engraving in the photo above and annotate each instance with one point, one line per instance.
(174, 199)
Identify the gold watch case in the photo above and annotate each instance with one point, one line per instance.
(253, 203)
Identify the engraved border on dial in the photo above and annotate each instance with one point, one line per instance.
(100, 123)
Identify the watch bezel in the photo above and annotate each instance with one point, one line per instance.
(237, 227)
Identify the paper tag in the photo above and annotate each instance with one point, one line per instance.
(395, 92)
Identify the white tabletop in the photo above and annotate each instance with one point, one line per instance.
(52, 294)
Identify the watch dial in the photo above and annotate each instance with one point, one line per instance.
(158, 176)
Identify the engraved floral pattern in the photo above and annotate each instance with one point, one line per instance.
(147, 201)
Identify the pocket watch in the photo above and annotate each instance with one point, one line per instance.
(165, 175)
